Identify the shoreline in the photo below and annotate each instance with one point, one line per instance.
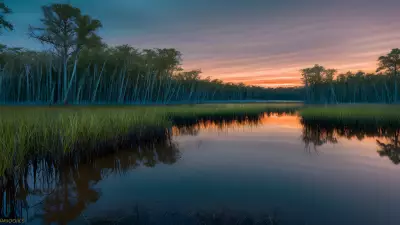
(58, 132)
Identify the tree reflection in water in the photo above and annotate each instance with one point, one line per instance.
(320, 133)
(220, 125)
(317, 136)
(63, 188)
(226, 123)
(391, 149)
(66, 187)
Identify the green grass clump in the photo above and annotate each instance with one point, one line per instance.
(53, 131)
(356, 113)
(50, 131)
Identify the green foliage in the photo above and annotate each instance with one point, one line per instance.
(315, 79)
(314, 75)
(85, 29)
(4, 24)
(66, 29)
(390, 62)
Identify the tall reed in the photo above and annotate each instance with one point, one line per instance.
(60, 131)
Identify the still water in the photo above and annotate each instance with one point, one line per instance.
(278, 167)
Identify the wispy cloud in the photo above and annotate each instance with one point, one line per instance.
(258, 42)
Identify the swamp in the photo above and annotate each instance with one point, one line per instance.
(260, 163)
(107, 133)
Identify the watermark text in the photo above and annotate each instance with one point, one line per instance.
(19, 220)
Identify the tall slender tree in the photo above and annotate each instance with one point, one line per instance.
(67, 31)
(391, 64)
(58, 28)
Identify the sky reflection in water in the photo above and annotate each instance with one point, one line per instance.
(258, 167)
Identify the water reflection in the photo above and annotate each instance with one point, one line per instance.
(226, 123)
(59, 191)
(316, 134)
(76, 191)
(390, 149)
(219, 125)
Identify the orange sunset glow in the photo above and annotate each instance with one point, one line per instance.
(256, 42)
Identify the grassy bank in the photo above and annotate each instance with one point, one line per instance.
(353, 113)
(31, 131)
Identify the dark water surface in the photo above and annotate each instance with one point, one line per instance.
(280, 166)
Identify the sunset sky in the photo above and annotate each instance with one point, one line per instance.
(260, 42)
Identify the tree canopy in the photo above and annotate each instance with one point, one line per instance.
(5, 24)
(66, 29)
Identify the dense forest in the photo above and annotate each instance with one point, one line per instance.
(325, 86)
(78, 67)
(81, 68)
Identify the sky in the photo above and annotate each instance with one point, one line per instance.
(257, 42)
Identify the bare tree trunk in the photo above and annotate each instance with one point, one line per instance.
(387, 92)
(64, 91)
(135, 97)
(395, 84)
(39, 84)
(27, 71)
(97, 83)
(65, 100)
(19, 87)
(122, 85)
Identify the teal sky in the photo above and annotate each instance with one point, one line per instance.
(262, 42)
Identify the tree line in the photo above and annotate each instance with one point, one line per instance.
(323, 85)
(79, 67)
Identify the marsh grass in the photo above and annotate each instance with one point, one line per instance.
(353, 114)
(59, 132)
